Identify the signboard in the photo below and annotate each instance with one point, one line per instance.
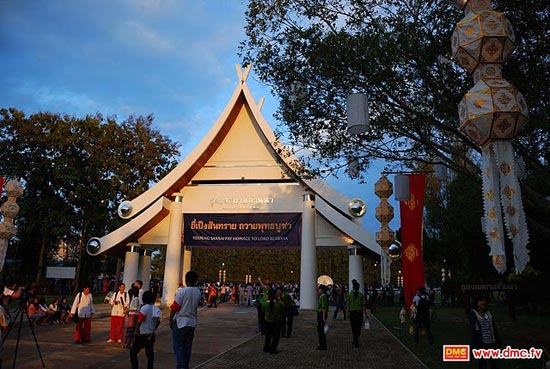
(243, 230)
(60, 272)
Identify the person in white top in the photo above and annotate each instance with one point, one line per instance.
(148, 322)
(120, 300)
(83, 308)
(183, 319)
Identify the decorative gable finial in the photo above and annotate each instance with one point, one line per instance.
(243, 74)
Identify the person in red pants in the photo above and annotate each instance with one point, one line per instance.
(83, 308)
(120, 301)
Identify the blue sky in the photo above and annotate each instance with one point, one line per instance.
(174, 59)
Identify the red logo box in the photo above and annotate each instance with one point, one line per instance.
(456, 352)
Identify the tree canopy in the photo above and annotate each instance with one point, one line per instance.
(313, 54)
(75, 172)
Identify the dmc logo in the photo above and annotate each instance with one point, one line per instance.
(456, 352)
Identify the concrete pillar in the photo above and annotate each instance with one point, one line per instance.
(173, 252)
(186, 261)
(118, 271)
(145, 268)
(131, 264)
(356, 267)
(308, 255)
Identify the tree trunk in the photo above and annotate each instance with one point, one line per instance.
(78, 267)
(41, 261)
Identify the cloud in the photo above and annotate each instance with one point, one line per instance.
(52, 99)
(136, 34)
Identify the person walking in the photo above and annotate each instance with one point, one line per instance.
(83, 308)
(236, 294)
(340, 302)
(133, 312)
(273, 312)
(357, 311)
(483, 331)
(183, 319)
(288, 315)
(322, 316)
(212, 295)
(120, 302)
(147, 324)
(422, 317)
(249, 294)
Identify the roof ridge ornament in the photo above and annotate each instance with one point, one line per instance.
(243, 73)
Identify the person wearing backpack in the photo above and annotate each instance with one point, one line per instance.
(120, 301)
(422, 318)
(83, 308)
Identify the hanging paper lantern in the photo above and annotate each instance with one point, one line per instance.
(402, 190)
(357, 110)
(13, 188)
(482, 37)
(492, 110)
(492, 113)
(383, 188)
(384, 212)
(440, 172)
(10, 209)
(7, 230)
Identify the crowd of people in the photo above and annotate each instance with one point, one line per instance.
(135, 318)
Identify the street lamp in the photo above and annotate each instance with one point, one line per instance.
(221, 273)
(399, 280)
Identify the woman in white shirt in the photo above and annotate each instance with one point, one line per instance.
(83, 308)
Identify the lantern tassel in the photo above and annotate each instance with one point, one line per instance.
(510, 198)
(493, 215)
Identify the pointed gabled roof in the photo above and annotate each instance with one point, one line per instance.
(148, 209)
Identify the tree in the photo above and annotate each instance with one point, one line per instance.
(314, 54)
(397, 52)
(75, 172)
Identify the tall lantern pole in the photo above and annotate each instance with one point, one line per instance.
(383, 188)
(492, 113)
(10, 209)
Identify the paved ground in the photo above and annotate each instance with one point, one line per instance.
(226, 338)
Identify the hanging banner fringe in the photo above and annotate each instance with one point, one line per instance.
(510, 198)
(493, 215)
(502, 205)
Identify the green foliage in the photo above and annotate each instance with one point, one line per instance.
(75, 171)
(449, 326)
(277, 265)
(399, 54)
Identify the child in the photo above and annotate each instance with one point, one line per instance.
(148, 322)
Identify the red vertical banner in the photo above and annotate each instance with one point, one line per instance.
(411, 237)
(1, 185)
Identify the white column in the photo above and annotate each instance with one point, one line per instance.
(186, 261)
(131, 264)
(118, 271)
(308, 255)
(145, 268)
(173, 252)
(356, 267)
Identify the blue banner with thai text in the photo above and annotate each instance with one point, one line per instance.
(243, 230)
